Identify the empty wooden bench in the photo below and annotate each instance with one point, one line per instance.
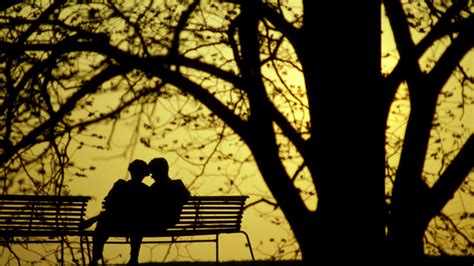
(41, 219)
(208, 216)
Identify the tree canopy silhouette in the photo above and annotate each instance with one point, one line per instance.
(302, 90)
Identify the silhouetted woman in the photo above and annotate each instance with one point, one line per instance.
(123, 214)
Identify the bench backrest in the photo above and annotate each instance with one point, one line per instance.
(210, 214)
(30, 215)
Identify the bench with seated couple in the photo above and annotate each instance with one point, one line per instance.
(174, 214)
(209, 216)
(41, 219)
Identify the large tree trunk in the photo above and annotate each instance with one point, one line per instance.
(346, 157)
(342, 68)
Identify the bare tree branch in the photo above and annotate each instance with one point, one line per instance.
(452, 178)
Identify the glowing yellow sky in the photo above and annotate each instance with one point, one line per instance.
(112, 164)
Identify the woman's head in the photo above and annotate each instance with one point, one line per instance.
(138, 170)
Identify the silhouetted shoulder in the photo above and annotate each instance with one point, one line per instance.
(180, 186)
(118, 188)
(178, 182)
(120, 183)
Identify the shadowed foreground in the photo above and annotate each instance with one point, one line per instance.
(232, 263)
(428, 261)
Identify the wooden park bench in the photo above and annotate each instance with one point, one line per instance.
(41, 219)
(208, 216)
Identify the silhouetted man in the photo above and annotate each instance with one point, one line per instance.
(123, 214)
(166, 198)
(167, 195)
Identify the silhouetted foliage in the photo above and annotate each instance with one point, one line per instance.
(273, 83)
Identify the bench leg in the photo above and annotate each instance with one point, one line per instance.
(248, 243)
(217, 249)
(83, 255)
(88, 246)
(62, 251)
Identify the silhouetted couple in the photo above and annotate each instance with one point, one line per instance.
(132, 208)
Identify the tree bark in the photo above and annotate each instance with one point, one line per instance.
(342, 68)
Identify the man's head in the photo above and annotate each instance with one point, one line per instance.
(138, 170)
(158, 168)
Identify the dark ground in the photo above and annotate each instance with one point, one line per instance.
(429, 261)
(230, 263)
(449, 261)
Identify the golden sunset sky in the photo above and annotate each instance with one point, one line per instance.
(266, 227)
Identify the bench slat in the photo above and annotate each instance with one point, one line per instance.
(32, 212)
(48, 216)
(40, 233)
(44, 198)
(43, 216)
(180, 232)
(21, 221)
(213, 203)
(199, 208)
(31, 205)
(202, 217)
